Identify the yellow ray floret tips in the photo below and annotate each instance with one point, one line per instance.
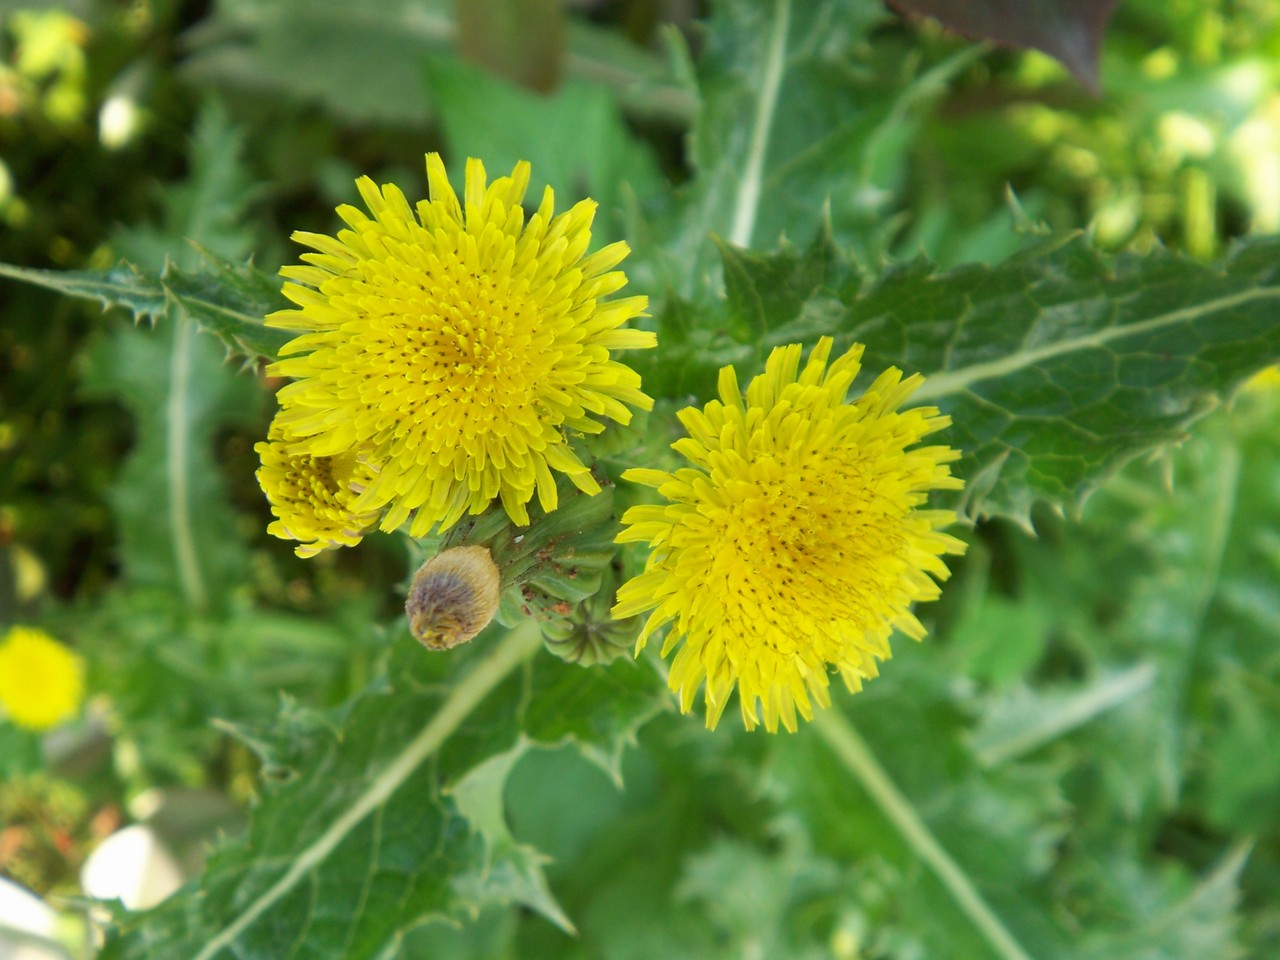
(796, 540)
(456, 347)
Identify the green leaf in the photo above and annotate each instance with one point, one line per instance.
(176, 679)
(365, 64)
(1001, 639)
(574, 139)
(1057, 366)
(968, 843)
(1023, 722)
(230, 301)
(753, 898)
(363, 832)
(1242, 793)
(797, 123)
(177, 530)
(191, 261)
(395, 817)
(1167, 915)
(513, 868)
(597, 710)
(766, 290)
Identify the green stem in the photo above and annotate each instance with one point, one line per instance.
(858, 759)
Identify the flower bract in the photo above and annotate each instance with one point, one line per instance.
(41, 680)
(795, 541)
(457, 346)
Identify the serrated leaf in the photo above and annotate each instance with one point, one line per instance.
(514, 868)
(362, 831)
(753, 898)
(176, 529)
(1070, 30)
(597, 710)
(796, 123)
(1023, 722)
(766, 290)
(367, 842)
(1166, 916)
(1200, 527)
(1057, 366)
(966, 845)
(230, 302)
(192, 260)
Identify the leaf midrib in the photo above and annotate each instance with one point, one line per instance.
(516, 648)
(950, 382)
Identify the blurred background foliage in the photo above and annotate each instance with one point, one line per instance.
(1103, 697)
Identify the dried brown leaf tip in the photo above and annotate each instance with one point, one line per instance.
(453, 597)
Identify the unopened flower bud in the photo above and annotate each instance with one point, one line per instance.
(453, 597)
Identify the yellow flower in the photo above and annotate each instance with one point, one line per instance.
(795, 542)
(1268, 378)
(41, 681)
(312, 497)
(458, 346)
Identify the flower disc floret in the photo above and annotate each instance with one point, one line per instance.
(458, 346)
(795, 542)
(41, 680)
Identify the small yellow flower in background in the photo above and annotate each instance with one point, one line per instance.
(311, 497)
(1268, 378)
(795, 542)
(41, 681)
(456, 346)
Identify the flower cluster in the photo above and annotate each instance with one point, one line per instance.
(794, 542)
(447, 353)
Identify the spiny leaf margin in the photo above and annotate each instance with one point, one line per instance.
(228, 299)
(1057, 366)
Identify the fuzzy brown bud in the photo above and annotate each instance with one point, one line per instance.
(453, 597)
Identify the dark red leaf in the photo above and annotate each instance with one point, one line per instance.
(1070, 30)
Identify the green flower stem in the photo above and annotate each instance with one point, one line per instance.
(858, 759)
(516, 648)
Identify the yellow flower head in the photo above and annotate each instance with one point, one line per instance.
(312, 497)
(794, 542)
(458, 346)
(41, 681)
